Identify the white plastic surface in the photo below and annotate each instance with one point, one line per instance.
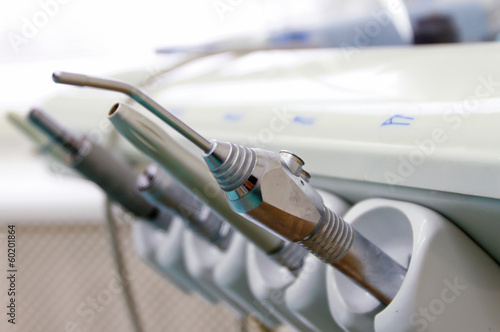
(451, 284)
(147, 239)
(231, 275)
(268, 282)
(201, 258)
(383, 104)
(169, 257)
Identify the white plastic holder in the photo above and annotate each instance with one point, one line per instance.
(231, 275)
(163, 250)
(451, 283)
(201, 258)
(146, 239)
(298, 300)
(268, 282)
(307, 297)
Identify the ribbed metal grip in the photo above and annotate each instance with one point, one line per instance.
(231, 164)
(290, 255)
(331, 240)
(210, 226)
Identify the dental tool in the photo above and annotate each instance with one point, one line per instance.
(272, 190)
(190, 171)
(163, 190)
(137, 95)
(100, 166)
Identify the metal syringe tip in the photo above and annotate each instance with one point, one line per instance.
(139, 96)
(70, 78)
(56, 77)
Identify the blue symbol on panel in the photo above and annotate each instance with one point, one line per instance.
(398, 119)
(304, 120)
(233, 117)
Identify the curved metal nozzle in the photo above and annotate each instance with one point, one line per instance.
(139, 96)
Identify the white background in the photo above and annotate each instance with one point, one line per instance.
(91, 35)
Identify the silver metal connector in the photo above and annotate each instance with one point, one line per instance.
(162, 190)
(273, 190)
(290, 255)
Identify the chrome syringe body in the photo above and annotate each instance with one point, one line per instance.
(163, 190)
(100, 166)
(273, 190)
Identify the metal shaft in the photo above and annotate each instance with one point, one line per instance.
(137, 95)
(335, 242)
(163, 190)
(98, 165)
(368, 266)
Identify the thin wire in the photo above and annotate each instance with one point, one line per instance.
(251, 323)
(121, 268)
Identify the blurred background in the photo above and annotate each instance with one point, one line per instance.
(44, 34)
(65, 258)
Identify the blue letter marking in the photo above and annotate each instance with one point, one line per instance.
(391, 121)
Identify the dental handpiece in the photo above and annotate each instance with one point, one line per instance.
(272, 190)
(161, 189)
(192, 173)
(99, 165)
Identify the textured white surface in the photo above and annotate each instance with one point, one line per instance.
(201, 259)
